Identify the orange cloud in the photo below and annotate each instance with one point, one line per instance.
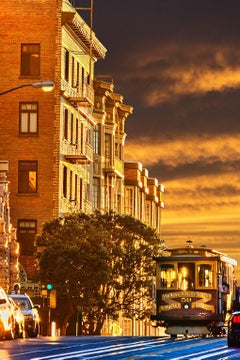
(194, 81)
(184, 69)
(179, 151)
(205, 206)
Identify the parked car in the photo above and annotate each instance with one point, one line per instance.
(19, 319)
(30, 312)
(7, 320)
(233, 336)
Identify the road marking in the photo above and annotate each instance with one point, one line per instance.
(203, 355)
(102, 350)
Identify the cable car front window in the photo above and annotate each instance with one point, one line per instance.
(167, 276)
(186, 276)
(205, 275)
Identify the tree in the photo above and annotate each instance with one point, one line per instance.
(99, 263)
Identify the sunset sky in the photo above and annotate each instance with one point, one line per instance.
(177, 62)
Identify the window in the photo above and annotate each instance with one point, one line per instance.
(96, 193)
(76, 189)
(66, 74)
(27, 230)
(73, 72)
(129, 201)
(80, 194)
(65, 181)
(72, 129)
(205, 275)
(167, 275)
(28, 123)
(27, 177)
(71, 186)
(77, 76)
(81, 137)
(76, 130)
(186, 276)
(88, 137)
(116, 149)
(30, 59)
(83, 80)
(96, 139)
(66, 124)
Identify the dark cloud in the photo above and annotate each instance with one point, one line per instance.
(210, 166)
(177, 62)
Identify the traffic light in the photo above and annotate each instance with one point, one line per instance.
(49, 286)
(49, 296)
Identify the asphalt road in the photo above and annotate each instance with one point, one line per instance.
(127, 348)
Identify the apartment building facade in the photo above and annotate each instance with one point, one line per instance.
(143, 195)
(47, 138)
(110, 114)
(65, 148)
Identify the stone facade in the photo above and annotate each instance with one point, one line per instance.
(110, 114)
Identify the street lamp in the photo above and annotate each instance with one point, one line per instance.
(44, 85)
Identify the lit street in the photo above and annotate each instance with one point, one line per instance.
(97, 347)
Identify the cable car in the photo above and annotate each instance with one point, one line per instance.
(194, 291)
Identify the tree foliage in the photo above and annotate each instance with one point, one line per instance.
(99, 263)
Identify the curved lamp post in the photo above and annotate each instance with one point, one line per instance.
(44, 85)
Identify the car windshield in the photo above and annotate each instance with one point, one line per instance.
(24, 304)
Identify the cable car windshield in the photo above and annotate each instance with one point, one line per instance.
(186, 275)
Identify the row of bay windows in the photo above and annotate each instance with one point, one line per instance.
(137, 206)
(73, 188)
(75, 131)
(74, 73)
(77, 134)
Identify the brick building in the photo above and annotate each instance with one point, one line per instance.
(46, 137)
(65, 148)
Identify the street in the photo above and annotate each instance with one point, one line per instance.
(101, 347)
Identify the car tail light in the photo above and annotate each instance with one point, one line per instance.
(236, 319)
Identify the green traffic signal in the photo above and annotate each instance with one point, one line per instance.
(49, 286)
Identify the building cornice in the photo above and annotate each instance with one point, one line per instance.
(82, 30)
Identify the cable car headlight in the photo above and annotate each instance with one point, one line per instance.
(185, 306)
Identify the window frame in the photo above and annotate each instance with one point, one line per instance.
(25, 175)
(65, 182)
(30, 60)
(29, 112)
(25, 247)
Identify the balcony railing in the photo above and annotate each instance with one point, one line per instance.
(77, 153)
(80, 95)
